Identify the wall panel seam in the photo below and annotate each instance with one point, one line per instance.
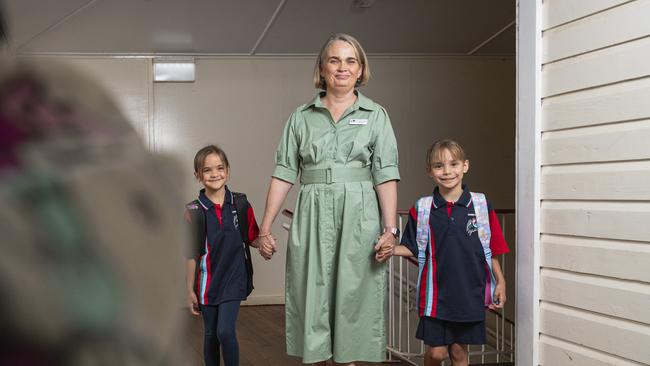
(577, 345)
(590, 237)
(550, 271)
(596, 124)
(623, 241)
(631, 40)
(593, 162)
(586, 15)
(548, 306)
(604, 85)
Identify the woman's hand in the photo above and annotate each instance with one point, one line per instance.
(387, 193)
(385, 247)
(193, 303)
(267, 246)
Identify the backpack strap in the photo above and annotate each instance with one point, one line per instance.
(423, 239)
(482, 218)
(423, 208)
(479, 202)
(241, 207)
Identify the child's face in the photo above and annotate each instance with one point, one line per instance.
(448, 172)
(214, 174)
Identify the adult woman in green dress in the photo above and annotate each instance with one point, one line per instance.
(343, 146)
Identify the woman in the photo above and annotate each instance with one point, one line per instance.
(343, 146)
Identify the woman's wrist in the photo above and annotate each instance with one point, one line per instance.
(265, 229)
(393, 230)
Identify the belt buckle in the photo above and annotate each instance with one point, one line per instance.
(328, 176)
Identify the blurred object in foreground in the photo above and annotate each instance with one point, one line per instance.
(4, 39)
(89, 270)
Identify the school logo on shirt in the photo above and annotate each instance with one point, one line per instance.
(235, 220)
(472, 226)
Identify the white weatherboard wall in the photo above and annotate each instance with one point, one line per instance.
(242, 104)
(594, 286)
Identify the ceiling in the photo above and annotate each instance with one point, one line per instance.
(261, 27)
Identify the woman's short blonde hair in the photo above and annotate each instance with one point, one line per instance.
(319, 82)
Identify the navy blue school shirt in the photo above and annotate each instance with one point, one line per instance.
(221, 274)
(458, 261)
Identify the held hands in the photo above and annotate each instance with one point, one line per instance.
(385, 247)
(193, 303)
(267, 246)
(499, 297)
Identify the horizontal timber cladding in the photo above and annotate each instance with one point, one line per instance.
(629, 180)
(624, 338)
(620, 24)
(555, 351)
(625, 299)
(626, 260)
(557, 12)
(607, 66)
(608, 104)
(595, 183)
(596, 219)
(614, 142)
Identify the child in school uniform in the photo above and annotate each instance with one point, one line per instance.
(456, 236)
(222, 279)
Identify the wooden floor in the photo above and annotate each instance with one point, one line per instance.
(260, 330)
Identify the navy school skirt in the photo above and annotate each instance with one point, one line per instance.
(436, 332)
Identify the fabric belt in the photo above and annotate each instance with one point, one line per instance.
(335, 175)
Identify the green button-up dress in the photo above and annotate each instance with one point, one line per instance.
(335, 289)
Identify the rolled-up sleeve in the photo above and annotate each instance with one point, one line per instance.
(286, 156)
(384, 159)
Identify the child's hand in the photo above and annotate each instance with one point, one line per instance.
(267, 246)
(385, 247)
(499, 297)
(193, 303)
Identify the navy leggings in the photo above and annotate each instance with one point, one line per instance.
(220, 333)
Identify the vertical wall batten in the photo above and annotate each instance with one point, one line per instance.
(528, 144)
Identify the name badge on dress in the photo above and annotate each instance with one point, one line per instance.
(358, 121)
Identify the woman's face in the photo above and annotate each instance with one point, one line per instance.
(341, 67)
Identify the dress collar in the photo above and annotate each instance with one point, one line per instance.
(362, 102)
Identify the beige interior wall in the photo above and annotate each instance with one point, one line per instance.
(470, 99)
(129, 80)
(242, 105)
